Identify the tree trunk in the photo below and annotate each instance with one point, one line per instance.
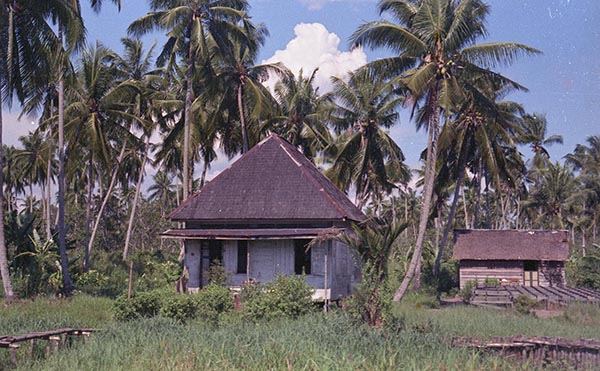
(240, 93)
(464, 197)
(478, 196)
(4, 272)
(113, 180)
(187, 120)
(138, 186)
(203, 176)
(88, 214)
(430, 170)
(62, 231)
(461, 175)
(49, 180)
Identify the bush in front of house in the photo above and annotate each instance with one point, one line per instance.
(468, 291)
(143, 304)
(208, 304)
(212, 301)
(285, 296)
(524, 304)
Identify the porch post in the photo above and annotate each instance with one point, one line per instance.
(248, 262)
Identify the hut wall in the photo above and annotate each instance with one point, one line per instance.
(552, 273)
(479, 270)
(192, 263)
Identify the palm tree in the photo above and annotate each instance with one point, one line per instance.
(242, 78)
(435, 42)
(302, 114)
(162, 190)
(365, 155)
(27, 38)
(534, 130)
(193, 28)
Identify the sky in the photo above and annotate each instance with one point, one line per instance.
(563, 83)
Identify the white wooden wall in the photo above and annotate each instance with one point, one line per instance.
(268, 258)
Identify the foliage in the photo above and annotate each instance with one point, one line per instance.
(92, 282)
(524, 304)
(143, 304)
(587, 271)
(491, 282)
(208, 304)
(467, 292)
(284, 296)
(217, 274)
(212, 301)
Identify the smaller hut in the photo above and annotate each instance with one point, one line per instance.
(513, 257)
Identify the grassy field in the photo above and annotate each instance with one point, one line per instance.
(313, 342)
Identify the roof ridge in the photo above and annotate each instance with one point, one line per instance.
(313, 179)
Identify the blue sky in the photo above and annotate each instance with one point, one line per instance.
(564, 83)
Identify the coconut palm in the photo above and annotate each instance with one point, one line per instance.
(534, 133)
(436, 44)
(365, 155)
(193, 28)
(27, 37)
(242, 78)
(302, 113)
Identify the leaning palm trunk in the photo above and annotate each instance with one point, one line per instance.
(113, 180)
(62, 231)
(4, 272)
(461, 175)
(415, 261)
(138, 186)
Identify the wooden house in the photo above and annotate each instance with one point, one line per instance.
(258, 216)
(513, 257)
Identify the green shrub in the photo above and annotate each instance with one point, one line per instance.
(524, 304)
(467, 292)
(491, 282)
(212, 301)
(179, 307)
(143, 304)
(217, 274)
(285, 296)
(92, 282)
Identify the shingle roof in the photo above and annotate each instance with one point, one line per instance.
(273, 181)
(510, 245)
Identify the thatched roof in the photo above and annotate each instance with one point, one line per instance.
(272, 182)
(510, 245)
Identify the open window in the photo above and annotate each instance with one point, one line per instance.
(302, 257)
(242, 257)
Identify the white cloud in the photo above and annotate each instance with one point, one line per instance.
(314, 46)
(13, 128)
(314, 4)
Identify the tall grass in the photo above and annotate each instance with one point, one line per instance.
(313, 342)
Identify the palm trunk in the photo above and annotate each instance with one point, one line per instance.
(62, 231)
(187, 120)
(88, 214)
(138, 186)
(4, 272)
(242, 119)
(464, 197)
(434, 124)
(113, 180)
(203, 176)
(477, 197)
(49, 181)
(461, 175)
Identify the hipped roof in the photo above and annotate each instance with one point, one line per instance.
(273, 181)
(510, 245)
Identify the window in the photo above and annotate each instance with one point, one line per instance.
(302, 255)
(215, 252)
(242, 257)
(530, 266)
